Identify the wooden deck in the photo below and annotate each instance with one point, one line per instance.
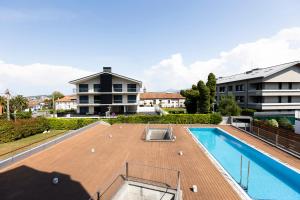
(82, 173)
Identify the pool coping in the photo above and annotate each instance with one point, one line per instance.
(227, 176)
(220, 168)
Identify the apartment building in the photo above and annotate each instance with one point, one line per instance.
(275, 88)
(163, 99)
(107, 91)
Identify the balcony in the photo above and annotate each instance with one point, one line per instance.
(131, 90)
(131, 101)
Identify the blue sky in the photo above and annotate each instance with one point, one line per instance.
(135, 37)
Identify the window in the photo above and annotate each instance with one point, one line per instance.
(230, 88)
(117, 87)
(84, 99)
(222, 89)
(97, 88)
(289, 99)
(290, 86)
(240, 99)
(258, 86)
(239, 88)
(279, 86)
(131, 87)
(97, 99)
(279, 99)
(84, 110)
(131, 98)
(117, 98)
(258, 99)
(83, 87)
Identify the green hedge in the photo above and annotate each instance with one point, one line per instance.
(171, 118)
(248, 112)
(69, 124)
(10, 130)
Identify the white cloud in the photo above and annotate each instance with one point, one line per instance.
(173, 73)
(38, 78)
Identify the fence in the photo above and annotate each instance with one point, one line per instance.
(155, 176)
(280, 138)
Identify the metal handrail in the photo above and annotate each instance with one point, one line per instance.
(127, 176)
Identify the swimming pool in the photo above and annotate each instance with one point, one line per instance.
(268, 178)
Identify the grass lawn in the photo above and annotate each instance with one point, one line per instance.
(11, 148)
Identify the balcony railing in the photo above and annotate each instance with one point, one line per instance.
(117, 101)
(83, 101)
(117, 89)
(131, 101)
(131, 90)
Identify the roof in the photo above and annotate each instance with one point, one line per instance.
(160, 95)
(98, 74)
(68, 98)
(256, 73)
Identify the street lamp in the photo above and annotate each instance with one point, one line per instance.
(7, 93)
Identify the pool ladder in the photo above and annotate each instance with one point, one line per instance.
(245, 187)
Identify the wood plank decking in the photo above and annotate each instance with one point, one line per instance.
(82, 173)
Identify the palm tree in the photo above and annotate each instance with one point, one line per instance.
(19, 103)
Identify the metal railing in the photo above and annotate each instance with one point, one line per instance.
(276, 139)
(158, 125)
(151, 175)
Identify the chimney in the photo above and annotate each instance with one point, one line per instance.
(107, 69)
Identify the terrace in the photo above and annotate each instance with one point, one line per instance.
(91, 161)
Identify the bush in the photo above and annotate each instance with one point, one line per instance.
(229, 107)
(286, 124)
(175, 110)
(10, 130)
(214, 118)
(69, 124)
(272, 122)
(248, 112)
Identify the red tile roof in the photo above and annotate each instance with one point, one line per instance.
(160, 95)
(67, 98)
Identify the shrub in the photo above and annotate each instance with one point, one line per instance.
(69, 124)
(229, 107)
(272, 122)
(10, 130)
(285, 123)
(171, 118)
(175, 110)
(248, 112)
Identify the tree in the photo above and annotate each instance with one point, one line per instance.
(211, 84)
(57, 95)
(203, 102)
(228, 106)
(191, 99)
(18, 103)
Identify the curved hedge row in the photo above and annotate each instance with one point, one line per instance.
(69, 124)
(11, 131)
(214, 118)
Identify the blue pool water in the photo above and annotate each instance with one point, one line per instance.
(269, 179)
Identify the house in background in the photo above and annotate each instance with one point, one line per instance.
(275, 88)
(163, 99)
(68, 102)
(107, 91)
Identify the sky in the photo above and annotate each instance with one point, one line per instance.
(167, 44)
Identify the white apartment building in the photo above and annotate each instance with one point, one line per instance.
(66, 103)
(162, 99)
(107, 91)
(275, 88)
